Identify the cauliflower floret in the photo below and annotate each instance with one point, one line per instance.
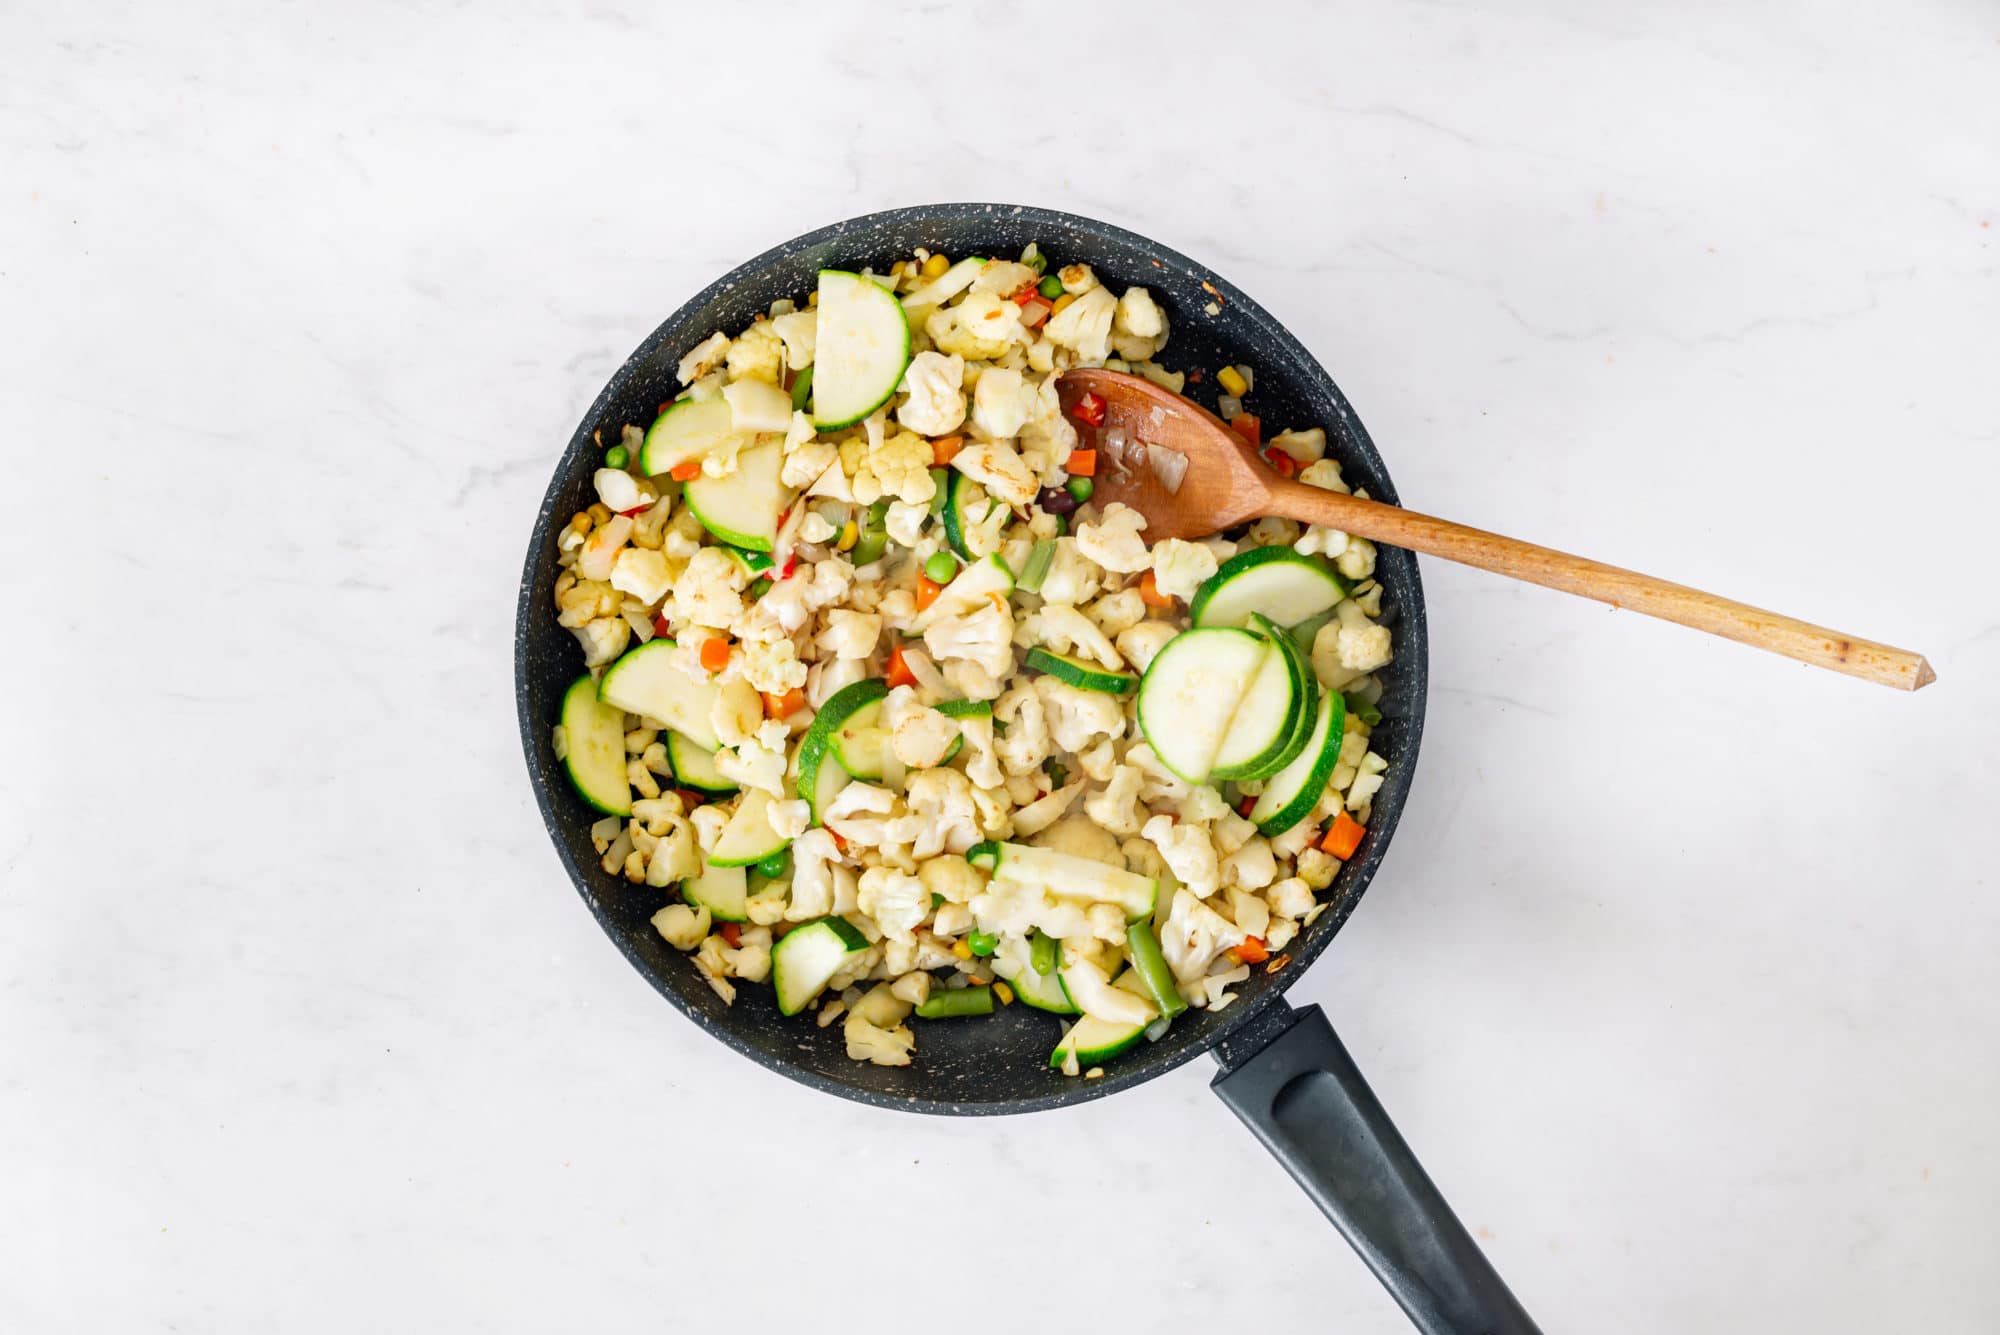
(1118, 612)
(1139, 327)
(1000, 403)
(896, 901)
(737, 713)
(1076, 279)
(1319, 540)
(828, 676)
(1324, 474)
(800, 332)
(982, 766)
(1357, 561)
(676, 855)
(1187, 851)
(1251, 867)
(683, 927)
(603, 640)
(618, 490)
(1306, 447)
(1099, 761)
(813, 856)
(905, 522)
(1180, 567)
(1361, 644)
(984, 636)
(1141, 642)
(1016, 908)
(918, 734)
(788, 820)
(1025, 744)
(1317, 869)
(1004, 277)
(709, 591)
(643, 574)
(1078, 717)
(757, 354)
(980, 328)
(1117, 807)
(1066, 630)
(772, 666)
(941, 807)
(1072, 577)
(806, 456)
(754, 766)
(951, 877)
(1114, 542)
(1270, 531)
(1084, 326)
(900, 467)
(850, 635)
(1290, 898)
(1046, 810)
(816, 527)
(1193, 935)
(995, 465)
(971, 680)
(871, 1043)
(936, 404)
(704, 357)
(1367, 782)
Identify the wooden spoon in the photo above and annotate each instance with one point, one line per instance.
(1226, 484)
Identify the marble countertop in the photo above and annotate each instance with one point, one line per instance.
(1680, 977)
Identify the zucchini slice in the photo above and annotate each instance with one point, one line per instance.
(646, 681)
(820, 772)
(695, 768)
(743, 507)
(722, 890)
(1190, 693)
(1091, 1041)
(748, 837)
(595, 758)
(688, 429)
(862, 349)
(1291, 794)
(1277, 581)
(808, 956)
(1265, 733)
(861, 743)
(1068, 876)
(1080, 672)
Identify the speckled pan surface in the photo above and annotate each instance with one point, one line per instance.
(996, 1065)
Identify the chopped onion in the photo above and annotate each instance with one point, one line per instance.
(1170, 466)
(1115, 441)
(926, 672)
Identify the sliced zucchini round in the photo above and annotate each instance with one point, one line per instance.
(1263, 732)
(595, 758)
(748, 837)
(1190, 692)
(1072, 876)
(688, 429)
(721, 890)
(1091, 1041)
(1291, 794)
(820, 772)
(861, 351)
(1080, 672)
(968, 517)
(808, 956)
(744, 507)
(695, 768)
(647, 681)
(1276, 581)
(861, 744)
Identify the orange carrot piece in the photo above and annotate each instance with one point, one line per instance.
(715, 654)
(1344, 837)
(1082, 463)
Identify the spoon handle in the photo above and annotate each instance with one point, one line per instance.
(1800, 640)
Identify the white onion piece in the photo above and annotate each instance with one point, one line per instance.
(1170, 466)
(928, 677)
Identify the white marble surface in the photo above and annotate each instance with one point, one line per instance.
(1681, 976)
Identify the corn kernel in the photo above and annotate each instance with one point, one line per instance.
(580, 521)
(1005, 993)
(1063, 303)
(1232, 380)
(960, 949)
(849, 535)
(935, 266)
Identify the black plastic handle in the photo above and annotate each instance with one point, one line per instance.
(1293, 1084)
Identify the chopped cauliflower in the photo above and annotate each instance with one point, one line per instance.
(704, 357)
(1318, 540)
(1193, 935)
(757, 354)
(1001, 403)
(941, 807)
(984, 636)
(1324, 474)
(1078, 717)
(996, 466)
(1179, 568)
(1187, 851)
(1363, 645)
(872, 1043)
(1114, 542)
(896, 901)
(1068, 631)
(983, 327)
(1139, 326)
(1072, 577)
(643, 574)
(772, 666)
(918, 734)
(1141, 642)
(1305, 447)
(848, 634)
(710, 591)
(1116, 807)
(899, 468)
(1357, 559)
(683, 927)
(1085, 326)
(936, 404)
(800, 332)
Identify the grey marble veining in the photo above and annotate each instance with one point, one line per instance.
(1680, 975)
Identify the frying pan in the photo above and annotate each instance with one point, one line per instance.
(1283, 1071)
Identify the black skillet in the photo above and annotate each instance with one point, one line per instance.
(1283, 1070)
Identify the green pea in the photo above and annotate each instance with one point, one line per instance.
(983, 943)
(940, 568)
(1081, 488)
(1051, 287)
(776, 865)
(617, 457)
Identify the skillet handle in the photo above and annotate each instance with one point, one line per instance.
(1293, 1084)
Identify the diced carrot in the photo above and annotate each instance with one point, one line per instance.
(731, 934)
(1082, 463)
(1344, 837)
(1252, 950)
(686, 470)
(784, 706)
(928, 590)
(1025, 295)
(944, 449)
(1149, 592)
(899, 671)
(838, 842)
(1284, 465)
(715, 654)
(1250, 427)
